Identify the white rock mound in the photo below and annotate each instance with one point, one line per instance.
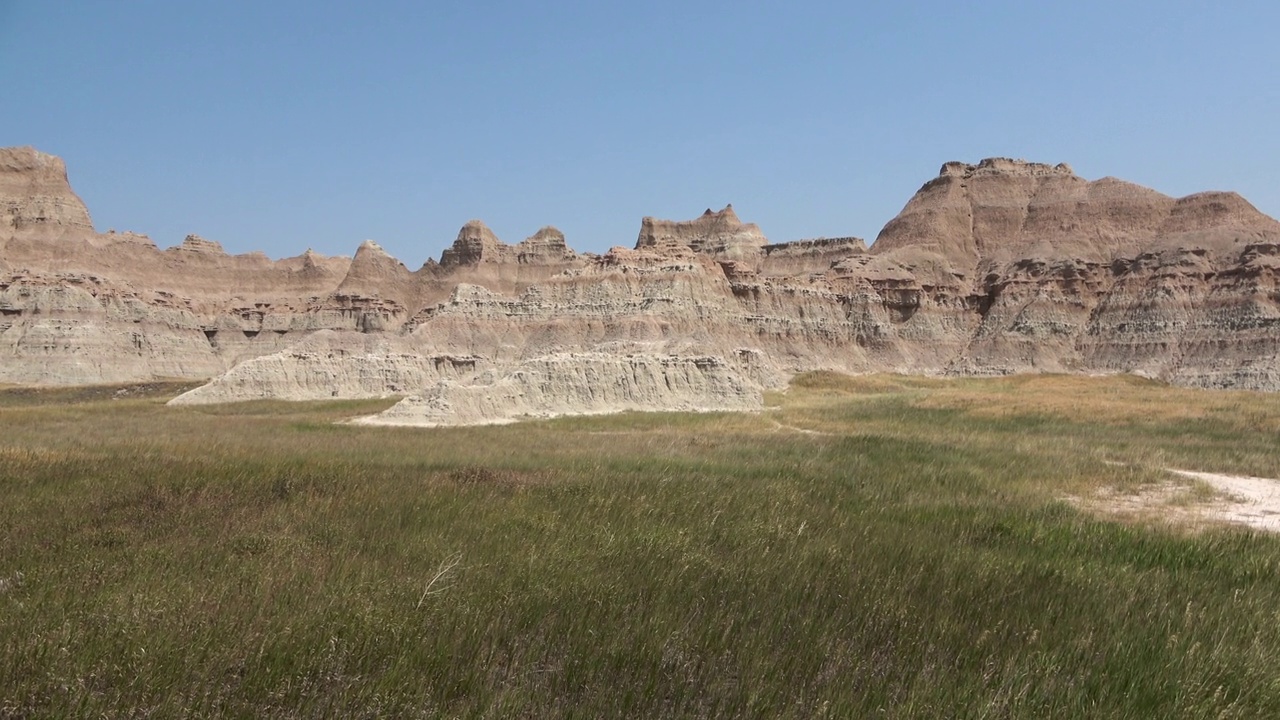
(578, 384)
(333, 366)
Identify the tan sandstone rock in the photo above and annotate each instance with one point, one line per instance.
(718, 234)
(35, 197)
(999, 267)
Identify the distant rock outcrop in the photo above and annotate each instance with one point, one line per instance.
(718, 234)
(547, 246)
(197, 244)
(35, 197)
(1103, 276)
(799, 257)
(475, 244)
(1002, 210)
(1000, 267)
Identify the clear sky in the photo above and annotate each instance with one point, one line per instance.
(286, 124)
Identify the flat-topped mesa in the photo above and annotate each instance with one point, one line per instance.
(719, 234)
(197, 244)
(1006, 166)
(475, 243)
(35, 196)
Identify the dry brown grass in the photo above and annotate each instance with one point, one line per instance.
(1116, 400)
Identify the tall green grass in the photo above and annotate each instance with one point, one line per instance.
(908, 556)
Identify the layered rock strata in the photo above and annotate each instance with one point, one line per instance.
(1104, 276)
(334, 365)
(999, 267)
(35, 197)
(577, 384)
(720, 235)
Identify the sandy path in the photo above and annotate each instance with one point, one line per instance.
(803, 431)
(1244, 500)
(1252, 501)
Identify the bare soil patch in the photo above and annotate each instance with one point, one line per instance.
(1251, 501)
(1221, 498)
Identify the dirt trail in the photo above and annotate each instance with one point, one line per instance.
(1240, 499)
(1252, 501)
(803, 431)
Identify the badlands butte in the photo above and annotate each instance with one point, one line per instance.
(1000, 267)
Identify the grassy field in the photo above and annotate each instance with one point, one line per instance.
(867, 547)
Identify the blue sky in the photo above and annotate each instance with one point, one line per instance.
(284, 125)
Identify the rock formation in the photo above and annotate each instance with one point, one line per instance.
(1104, 276)
(335, 365)
(803, 257)
(718, 234)
(1000, 267)
(35, 197)
(577, 384)
(79, 307)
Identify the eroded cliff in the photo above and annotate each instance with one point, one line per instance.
(999, 267)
